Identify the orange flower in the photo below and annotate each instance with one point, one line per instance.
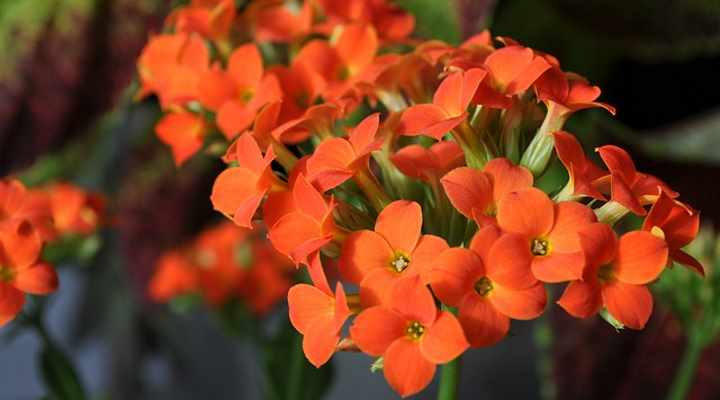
(267, 281)
(466, 279)
(310, 226)
(511, 71)
(616, 273)
(411, 336)
(238, 191)
(549, 242)
(475, 194)
(301, 86)
(570, 91)
(583, 174)
(396, 249)
(343, 62)
(184, 132)
(392, 22)
(448, 109)
(171, 66)
(210, 18)
(74, 210)
(679, 225)
(318, 314)
(20, 270)
(174, 275)
(629, 187)
(428, 164)
(279, 21)
(336, 160)
(17, 204)
(221, 269)
(238, 93)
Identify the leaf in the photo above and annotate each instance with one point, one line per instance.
(289, 376)
(604, 314)
(60, 378)
(434, 19)
(236, 320)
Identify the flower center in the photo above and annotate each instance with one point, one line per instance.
(484, 286)
(246, 95)
(6, 274)
(605, 274)
(415, 330)
(540, 247)
(399, 262)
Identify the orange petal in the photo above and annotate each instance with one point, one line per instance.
(413, 300)
(528, 212)
(456, 91)
(20, 243)
(215, 87)
(507, 177)
(400, 223)
(509, 262)
(483, 324)
(641, 257)
(570, 217)
(629, 304)
(581, 299)
(362, 252)
(533, 71)
(405, 368)
(308, 200)
(11, 302)
(317, 274)
(483, 240)
(558, 267)
(357, 46)
(376, 287)
(320, 342)
(232, 189)
(444, 340)
(452, 274)
(234, 117)
(519, 304)
(293, 232)
(306, 304)
(376, 328)
(423, 258)
(426, 119)
(329, 165)
(508, 63)
(362, 136)
(183, 132)
(245, 65)
(688, 261)
(39, 279)
(468, 189)
(599, 243)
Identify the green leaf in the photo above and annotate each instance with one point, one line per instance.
(289, 376)
(604, 314)
(72, 247)
(434, 19)
(60, 378)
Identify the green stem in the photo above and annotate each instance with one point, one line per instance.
(542, 334)
(295, 378)
(449, 380)
(686, 371)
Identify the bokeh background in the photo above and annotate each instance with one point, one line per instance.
(66, 108)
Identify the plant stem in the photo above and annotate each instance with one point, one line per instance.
(295, 378)
(449, 380)
(686, 371)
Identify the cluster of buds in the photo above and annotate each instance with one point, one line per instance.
(410, 169)
(224, 263)
(29, 219)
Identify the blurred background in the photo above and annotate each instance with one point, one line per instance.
(66, 110)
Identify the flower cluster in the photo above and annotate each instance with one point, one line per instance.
(224, 263)
(30, 218)
(411, 168)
